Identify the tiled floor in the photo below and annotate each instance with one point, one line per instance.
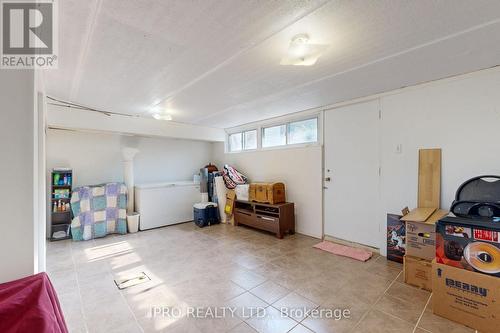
(271, 285)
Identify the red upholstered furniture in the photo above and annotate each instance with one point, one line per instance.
(30, 305)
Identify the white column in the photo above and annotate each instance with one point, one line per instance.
(128, 175)
(18, 175)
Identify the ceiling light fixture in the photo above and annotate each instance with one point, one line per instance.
(302, 53)
(158, 116)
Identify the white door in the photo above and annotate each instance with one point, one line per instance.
(351, 184)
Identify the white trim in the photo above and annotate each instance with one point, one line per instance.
(241, 132)
(279, 121)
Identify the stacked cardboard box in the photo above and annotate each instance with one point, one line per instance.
(420, 222)
(421, 245)
(469, 298)
(466, 272)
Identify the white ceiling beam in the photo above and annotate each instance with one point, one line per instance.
(74, 119)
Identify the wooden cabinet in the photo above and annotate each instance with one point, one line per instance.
(277, 218)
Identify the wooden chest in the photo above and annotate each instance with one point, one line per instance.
(272, 193)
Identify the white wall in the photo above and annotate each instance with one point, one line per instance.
(96, 157)
(460, 115)
(299, 168)
(18, 170)
(40, 230)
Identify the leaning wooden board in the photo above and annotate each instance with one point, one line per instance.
(429, 178)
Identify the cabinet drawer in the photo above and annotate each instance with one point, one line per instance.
(268, 219)
(243, 217)
(267, 223)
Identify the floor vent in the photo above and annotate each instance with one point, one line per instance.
(132, 281)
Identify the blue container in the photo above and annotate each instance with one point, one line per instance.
(205, 214)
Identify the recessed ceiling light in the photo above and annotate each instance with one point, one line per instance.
(158, 116)
(303, 53)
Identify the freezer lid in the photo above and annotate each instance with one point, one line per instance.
(166, 184)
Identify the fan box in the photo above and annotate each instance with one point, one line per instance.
(469, 298)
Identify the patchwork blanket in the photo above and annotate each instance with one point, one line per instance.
(98, 211)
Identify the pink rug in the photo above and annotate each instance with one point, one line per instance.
(346, 251)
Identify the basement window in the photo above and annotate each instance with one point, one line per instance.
(250, 140)
(246, 140)
(235, 142)
(274, 136)
(304, 131)
(292, 133)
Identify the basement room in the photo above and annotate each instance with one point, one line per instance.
(250, 166)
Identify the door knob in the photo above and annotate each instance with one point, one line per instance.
(327, 179)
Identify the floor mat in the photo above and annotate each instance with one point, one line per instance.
(346, 251)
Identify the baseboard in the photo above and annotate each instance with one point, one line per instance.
(353, 244)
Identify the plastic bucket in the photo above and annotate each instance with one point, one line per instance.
(133, 222)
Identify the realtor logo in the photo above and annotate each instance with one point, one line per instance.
(29, 34)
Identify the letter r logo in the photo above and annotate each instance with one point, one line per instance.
(27, 27)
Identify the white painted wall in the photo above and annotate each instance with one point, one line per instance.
(18, 173)
(460, 115)
(40, 219)
(299, 168)
(96, 157)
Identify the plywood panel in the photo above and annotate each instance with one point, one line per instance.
(429, 178)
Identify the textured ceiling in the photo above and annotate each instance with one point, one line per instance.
(216, 62)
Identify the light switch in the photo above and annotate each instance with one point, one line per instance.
(399, 148)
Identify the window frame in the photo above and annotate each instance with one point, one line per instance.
(229, 142)
(263, 128)
(286, 120)
(298, 121)
(256, 139)
(241, 133)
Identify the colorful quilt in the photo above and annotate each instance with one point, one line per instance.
(98, 211)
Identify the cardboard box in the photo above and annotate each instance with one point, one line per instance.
(272, 193)
(472, 244)
(230, 198)
(421, 232)
(469, 298)
(418, 272)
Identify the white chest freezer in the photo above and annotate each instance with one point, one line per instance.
(162, 204)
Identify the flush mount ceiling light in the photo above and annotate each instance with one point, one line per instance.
(159, 116)
(159, 113)
(303, 53)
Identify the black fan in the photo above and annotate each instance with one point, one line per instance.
(478, 197)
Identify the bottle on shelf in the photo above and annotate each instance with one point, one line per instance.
(54, 208)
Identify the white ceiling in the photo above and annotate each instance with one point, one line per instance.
(216, 62)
